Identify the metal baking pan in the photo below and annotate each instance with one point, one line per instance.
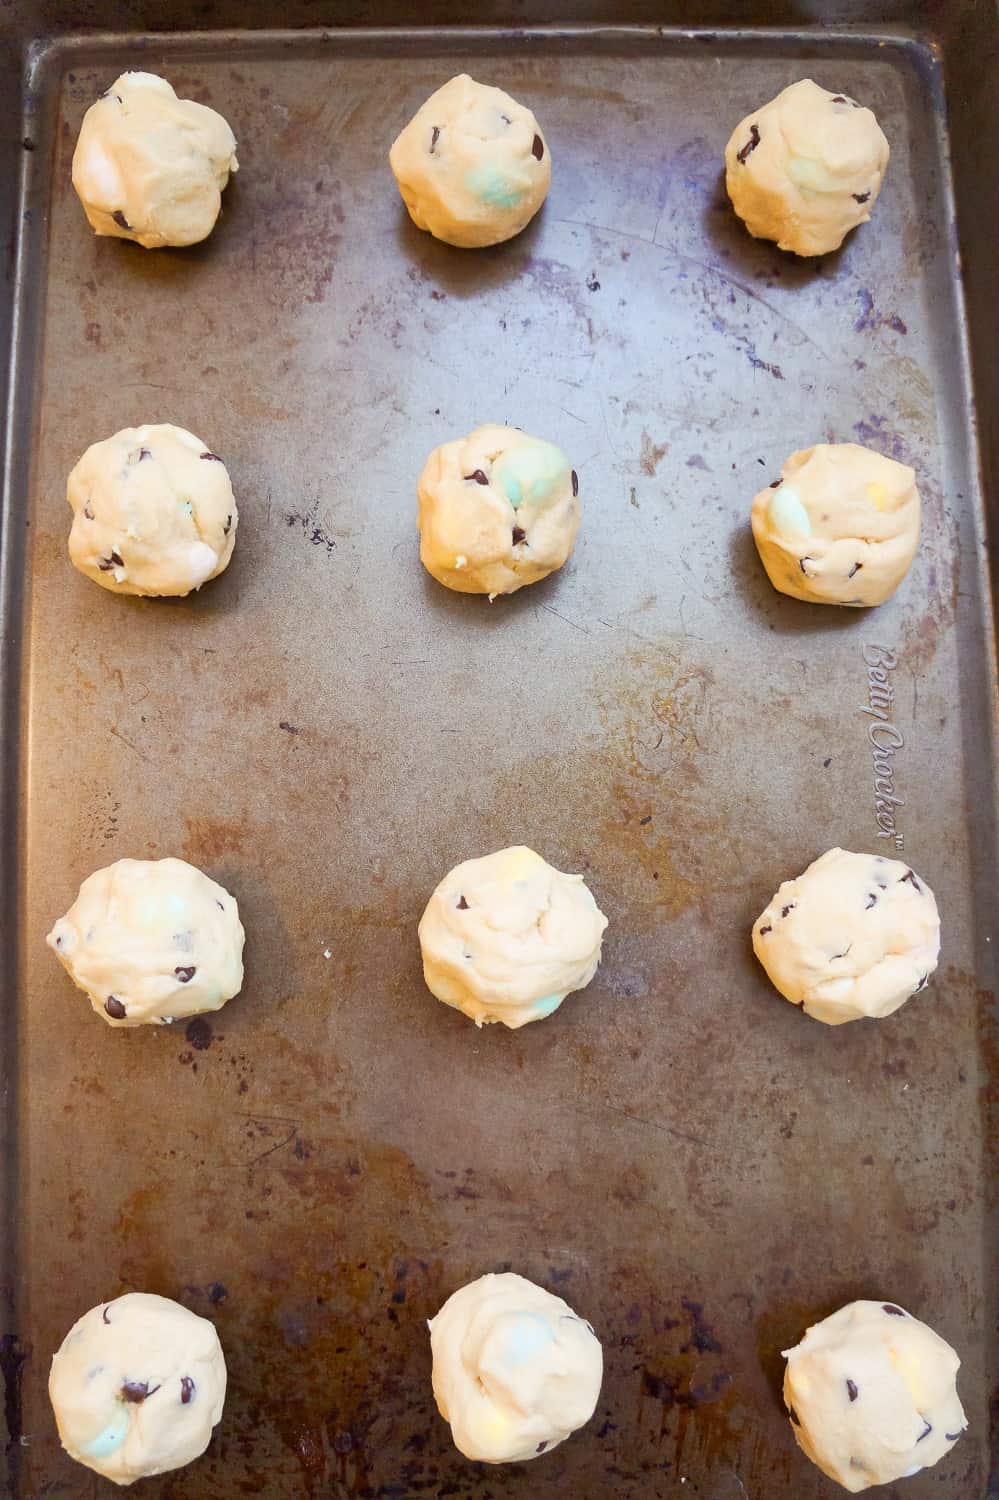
(697, 1167)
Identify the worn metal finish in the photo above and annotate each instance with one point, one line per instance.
(697, 1167)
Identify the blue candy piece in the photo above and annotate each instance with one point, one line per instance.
(489, 184)
(525, 1339)
(531, 473)
(547, 1004)
(787, 514)
(110, 1439)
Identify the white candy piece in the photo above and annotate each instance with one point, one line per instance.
(515, 1370)
(806, 168)
(872, 1395)
(507, 937)
(137, 1386)
(472, 165)
(151, 167)
(153, 512)
(856, 935)
(840, 526)
(151, 941)
(497, 510)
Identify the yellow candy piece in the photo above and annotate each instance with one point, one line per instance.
(878, 496)
(520, 863)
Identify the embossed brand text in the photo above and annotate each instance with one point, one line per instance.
(885, 738)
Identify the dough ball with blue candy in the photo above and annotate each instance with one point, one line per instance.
(840, 525)
(872, 1395)
(137, 1386)
(472, 165)
(153, 512)
(806, 168)
(151, 940)
(507, 937)
(151, 167)
(856, 935)
(515, 1370)
(497, 510)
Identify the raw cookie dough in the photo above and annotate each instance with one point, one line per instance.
(507, 937)
(840, 526)
(515, 1370)
(806, 168)
(151, 167)
(854, 936)
(472, 165)
(497, 509)
(153, 512)
(137, 1386)
(872, 1395)
(151, 940)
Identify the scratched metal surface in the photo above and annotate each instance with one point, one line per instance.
(697, 1167)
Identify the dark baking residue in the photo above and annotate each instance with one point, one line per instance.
(751, 144)
(186, 973)
(851, 1390)
(435, 137)
(199, 1033)
(136, 1391)
(120, 220)
(114, 1008)
(538, 147)
(186, 1389)
(519, 535)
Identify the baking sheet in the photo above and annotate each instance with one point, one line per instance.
(699, 1169)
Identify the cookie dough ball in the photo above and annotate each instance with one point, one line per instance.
(151, 167)
(151, 940)
(806, 168)
(507, 937)
(497, 509)
(854, 936)
(872, 1396)
(515, 1370)
(472, 165)
(153, 512)
(840, 526)
(137, 1387)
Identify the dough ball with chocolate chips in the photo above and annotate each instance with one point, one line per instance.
(854, 936)
(153, 512)
(137, 1386)
(151, 167)
(151, 940)
(515, 1371)
(472, 165)
(872, 1395)
(806, 168)
(497, 509)
(507, 937)
(840, 526)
